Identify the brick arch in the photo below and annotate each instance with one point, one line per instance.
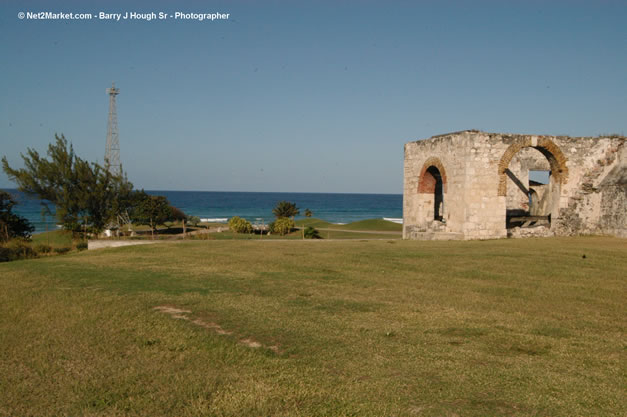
(426, 183)
(547, 147)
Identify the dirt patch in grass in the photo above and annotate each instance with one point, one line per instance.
(212, 326)
(176, 313)
(179, 313)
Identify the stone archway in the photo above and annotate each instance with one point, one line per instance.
(426, 182)
(433, 183)
(558, 177)
(547, 147)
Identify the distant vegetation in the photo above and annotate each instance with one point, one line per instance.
(239, 225)
(12, 225)
(86, 195)
(153, 211)
(311, 233)
(285, 209)
(284, 212)
(282, 226)
(87, 198)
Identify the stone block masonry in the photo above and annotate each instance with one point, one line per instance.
(476, 185)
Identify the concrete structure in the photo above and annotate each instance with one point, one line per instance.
(475, 185)
(100, 244)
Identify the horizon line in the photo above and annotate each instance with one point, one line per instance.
(259, 192)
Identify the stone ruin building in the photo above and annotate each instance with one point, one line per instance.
(476, 185)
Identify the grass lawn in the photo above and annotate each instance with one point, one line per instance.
(376, 225)
(318, 328)
(56, 238)
(298, 235)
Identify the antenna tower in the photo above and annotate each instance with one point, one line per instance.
(112, 152)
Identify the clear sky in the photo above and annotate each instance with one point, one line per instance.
(304, 96)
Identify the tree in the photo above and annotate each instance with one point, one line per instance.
(193, 220)
(84, 194)
(308, 213)
(282, 226)
(150, 210)
(239, 225)
(11, 224)
(176, 214)
(311, 233)
(285, 209)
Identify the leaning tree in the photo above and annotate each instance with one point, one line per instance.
(85, 195)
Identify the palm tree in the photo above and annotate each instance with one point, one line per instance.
(285, 209)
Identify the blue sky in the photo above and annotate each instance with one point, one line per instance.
(316, 96)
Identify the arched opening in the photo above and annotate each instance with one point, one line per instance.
(530, 201)
(435, 178)
(432, 187)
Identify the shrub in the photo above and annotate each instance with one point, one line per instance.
(311, 233)
(5, 254)
(62, 250)
(17, 249)
(239, 225)
(81, 245)
(282, 226)
(43, 248)
(193, 220)
(11, 224)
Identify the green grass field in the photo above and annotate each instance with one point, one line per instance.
(56, 238)
(318, 328)
(298, 235)
(373, 225)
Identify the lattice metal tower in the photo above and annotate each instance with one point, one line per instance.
(112, 152)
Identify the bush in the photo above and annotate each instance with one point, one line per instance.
(282, 226)
(311, 233)
(81, 245)
(62, 250)
(17, 249)
(239, 225)
(43, 248)
(11, 224)
(5, 254)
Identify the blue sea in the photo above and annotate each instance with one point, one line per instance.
(256, 207)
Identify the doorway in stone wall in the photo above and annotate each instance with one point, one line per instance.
(532, 194)
(438, 194)
(432, 187)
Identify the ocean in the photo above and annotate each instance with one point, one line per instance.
(219, 206)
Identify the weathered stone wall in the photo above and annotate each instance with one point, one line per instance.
(486, 174)
(596, 199)
(418, 206)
